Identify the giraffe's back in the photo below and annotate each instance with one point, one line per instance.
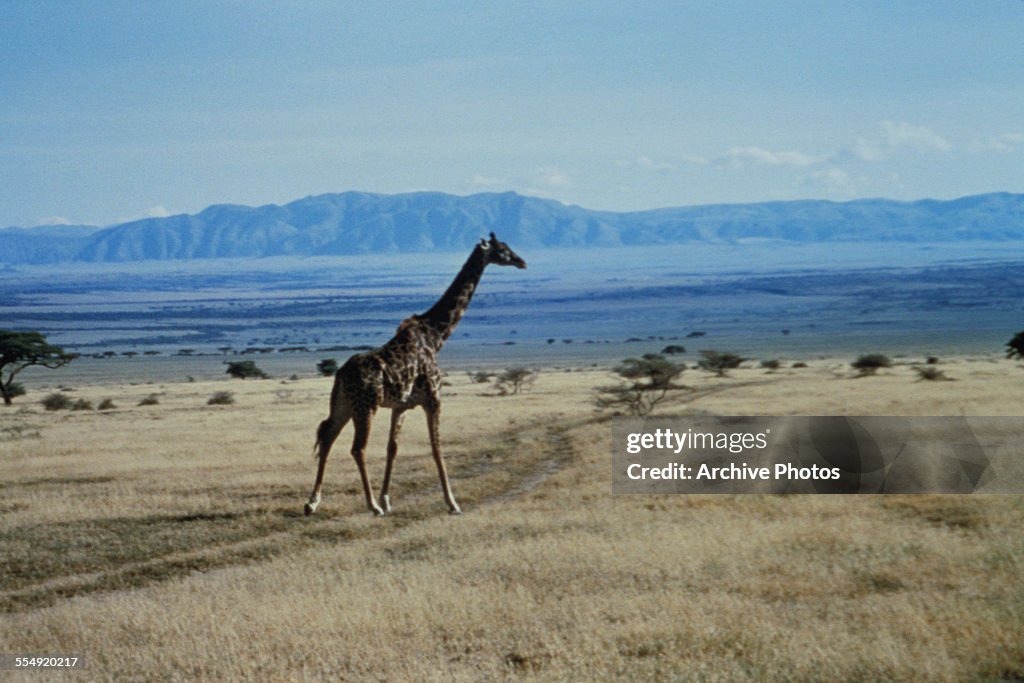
(402, 373)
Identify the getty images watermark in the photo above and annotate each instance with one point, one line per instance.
(818, 455)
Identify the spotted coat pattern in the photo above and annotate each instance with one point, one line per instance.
(400, 375)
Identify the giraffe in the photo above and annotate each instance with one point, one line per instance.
(401, 375)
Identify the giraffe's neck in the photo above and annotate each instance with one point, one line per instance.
(444, 315)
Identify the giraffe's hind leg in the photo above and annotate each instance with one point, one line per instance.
(362, 426)
(326, 433)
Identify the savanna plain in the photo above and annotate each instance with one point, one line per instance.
(167, 542)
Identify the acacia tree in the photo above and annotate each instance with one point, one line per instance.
(719, 362)
(244, 369)
(514, 380)
(19, 350)
(652, 377)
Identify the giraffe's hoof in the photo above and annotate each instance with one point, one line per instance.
(385, 504)
(309, 509)
(377, 512)
(454, 510)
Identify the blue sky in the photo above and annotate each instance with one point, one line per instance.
(118, 110)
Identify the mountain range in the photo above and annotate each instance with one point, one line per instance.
(360, 223)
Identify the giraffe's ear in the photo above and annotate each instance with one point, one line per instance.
(483, 242)
(494, 240)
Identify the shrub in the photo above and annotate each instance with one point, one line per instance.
(150, 400)
(652, 378)
(799, 364)
(514, 380)
(718, 361)
(106, 404)
(1015, 347)
(481, 377)
(221, 398)
(244, 369)
(15, 389)
(931, 373)
(673, 349)
(869, 363)
(327, 367)
(770, 365)
(81, 404)
(56, 401)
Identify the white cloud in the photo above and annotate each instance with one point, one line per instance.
(551, 178)
(696, 160)
(918, 138)
(866, 150)
(833, 180)
(648, 164)
(895, 137)
(481, 180)
(54, 220)
(1007, 142)
(157, 211)
(739, 156)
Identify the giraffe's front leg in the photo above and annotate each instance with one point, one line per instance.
(433, 410)
(396, 426)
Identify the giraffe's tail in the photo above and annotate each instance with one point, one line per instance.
(322, 435)
(339, 416)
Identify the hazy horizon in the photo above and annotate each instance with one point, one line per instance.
(498, 192)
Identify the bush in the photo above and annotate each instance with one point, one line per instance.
(81, 404)
(771, 365)
(221, 398)
(481, 377)
(514, 380)
(652, 378)
(673, 349)
(869, 363)
(15, 389)
(931, 373)
(327, 367)
(106, 404)
(244, 369)
(56, 401)
(718, 361)
(150, 400)
(1015, 347)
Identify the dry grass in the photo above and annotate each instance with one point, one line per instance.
(166, 542)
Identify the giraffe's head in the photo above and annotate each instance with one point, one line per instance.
(499, 253)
